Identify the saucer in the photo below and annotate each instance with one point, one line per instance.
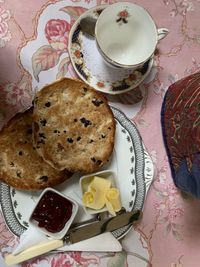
(92, 69)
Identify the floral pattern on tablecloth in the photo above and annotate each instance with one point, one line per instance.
(33, 52)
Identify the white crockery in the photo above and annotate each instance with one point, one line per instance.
(60, 234)
(126, 35)
(134, 175)
(86, 180)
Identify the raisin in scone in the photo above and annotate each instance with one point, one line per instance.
(20, 165)
(74, 127)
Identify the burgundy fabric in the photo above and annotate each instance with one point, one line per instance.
(180, 119)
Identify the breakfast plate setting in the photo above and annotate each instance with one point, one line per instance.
(68, 179)
(79, 167)
(134, 176)
(85, 175)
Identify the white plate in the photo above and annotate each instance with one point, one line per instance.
(92, 69)
(130, 161)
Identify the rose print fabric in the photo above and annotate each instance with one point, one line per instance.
(56, 32)
(5, 34)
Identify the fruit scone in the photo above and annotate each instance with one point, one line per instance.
(20, 165)
(74, 127)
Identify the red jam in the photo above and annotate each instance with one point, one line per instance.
(52, 212)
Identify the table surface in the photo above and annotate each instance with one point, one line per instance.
(169, 233)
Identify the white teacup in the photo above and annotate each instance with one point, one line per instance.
(126, 35)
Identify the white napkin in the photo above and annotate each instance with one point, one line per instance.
(104, 242)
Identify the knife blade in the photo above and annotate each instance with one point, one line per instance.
(96, 228)
(75, 235)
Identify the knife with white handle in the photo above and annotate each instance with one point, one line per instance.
(75, 235)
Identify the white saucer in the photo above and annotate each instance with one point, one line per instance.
(92, 69)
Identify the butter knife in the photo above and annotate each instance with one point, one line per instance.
(75, 235)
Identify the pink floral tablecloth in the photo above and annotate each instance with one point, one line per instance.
(33, 52)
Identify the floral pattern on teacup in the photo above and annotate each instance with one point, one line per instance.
(77, 55)
(122, 16)
(128, 81)
(100, 84)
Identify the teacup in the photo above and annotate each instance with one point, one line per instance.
(126, 35)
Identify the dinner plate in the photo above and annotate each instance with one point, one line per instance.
(130, 161)
(90, 66)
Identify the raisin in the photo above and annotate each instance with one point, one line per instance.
(78, 138)
(75, 120)
(43, 122)
(64, 131)
(97, 102)
(12, 164)
(70, 140)
(85, 122)
(42, 135)
(103, 136)
(56, 131)
(91, 141)
(99, 162)
(85, 89)
(44, 178)
(93, 159)
(18, 174)
(48, 104)
(20, 153)
(41, 141)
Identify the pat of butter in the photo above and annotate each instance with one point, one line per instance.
(99, 184)
(100, 193)
(94, 198)
(113, 202)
